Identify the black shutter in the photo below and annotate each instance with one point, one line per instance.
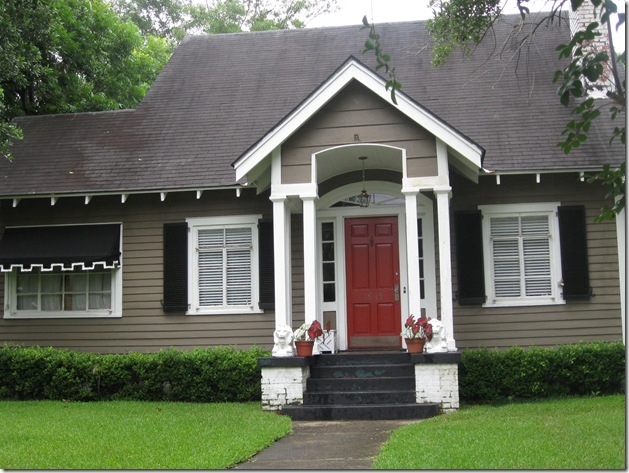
(175, 267)
(574, 252)
(266, 264)
(469, 257)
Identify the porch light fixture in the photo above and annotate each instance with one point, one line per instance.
(363, 198)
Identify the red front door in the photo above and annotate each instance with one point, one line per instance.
(373, 282)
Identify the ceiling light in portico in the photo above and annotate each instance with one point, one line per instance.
(363, 198)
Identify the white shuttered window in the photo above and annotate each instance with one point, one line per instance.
(522, 257)
(225, 267)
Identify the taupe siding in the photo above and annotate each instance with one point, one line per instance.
(596, 319)
(143, 326)
(357, 111)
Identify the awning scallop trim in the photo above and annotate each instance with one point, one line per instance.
(66, 247)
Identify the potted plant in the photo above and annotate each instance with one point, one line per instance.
(416, 332)
(305, 337)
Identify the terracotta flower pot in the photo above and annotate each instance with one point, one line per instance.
(415, 345)
(304, 347)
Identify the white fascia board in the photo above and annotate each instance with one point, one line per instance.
(354, 70)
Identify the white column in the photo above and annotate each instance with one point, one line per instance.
(281, 254)
(445, 263)
(310, 260)
(412, 254)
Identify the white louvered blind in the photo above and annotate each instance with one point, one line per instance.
(225, 274)
(521, 256)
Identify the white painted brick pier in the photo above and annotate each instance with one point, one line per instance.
(437, 379)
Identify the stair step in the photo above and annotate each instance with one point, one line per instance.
(362, 371)
(362, 412)
(360, 384)
(362, 359)
(359, 397)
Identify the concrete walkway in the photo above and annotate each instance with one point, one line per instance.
(329, 445)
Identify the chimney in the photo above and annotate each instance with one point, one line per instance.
(579, 20)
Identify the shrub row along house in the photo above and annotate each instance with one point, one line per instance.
(229, 202)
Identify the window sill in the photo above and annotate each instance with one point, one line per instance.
(524, 303)
(225, 311)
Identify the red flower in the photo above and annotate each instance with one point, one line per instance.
(428, 331)
(315, 330)
(409, 321)
(415, 329)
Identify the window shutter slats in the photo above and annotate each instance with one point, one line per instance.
(175, 267)
(574, 253)
(469, 257)
(266, 264)
(210, 276)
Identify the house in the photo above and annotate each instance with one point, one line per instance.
(228, 203)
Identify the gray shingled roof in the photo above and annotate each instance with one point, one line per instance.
(220, 94)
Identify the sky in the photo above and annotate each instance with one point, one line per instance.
(351, 12)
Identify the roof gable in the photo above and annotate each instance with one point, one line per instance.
(354, 70)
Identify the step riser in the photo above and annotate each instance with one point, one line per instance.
(397, 412)
(354, 384)
(359, 398)
(363, 371)
(363, 359)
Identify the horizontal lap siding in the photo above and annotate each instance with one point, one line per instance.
(144, 326)
(572, 322)
(357, 111)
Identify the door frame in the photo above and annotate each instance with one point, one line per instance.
(338, 215)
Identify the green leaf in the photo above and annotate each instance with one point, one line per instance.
(565, 98)
(575, 4)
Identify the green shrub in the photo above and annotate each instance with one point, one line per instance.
(201, 375)
(514, 374)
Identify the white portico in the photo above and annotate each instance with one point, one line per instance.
(366, 268)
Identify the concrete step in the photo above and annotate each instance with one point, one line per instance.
(359, 397)
(362, 371)
(362, 412)
(353, 358)
(397, 383)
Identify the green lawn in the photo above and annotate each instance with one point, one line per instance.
(574, 433)
(134, 435)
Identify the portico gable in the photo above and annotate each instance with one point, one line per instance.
(348, 133)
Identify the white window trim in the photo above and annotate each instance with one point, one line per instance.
(327, 306)
(10, 297)
(202, 223)
(546, 208)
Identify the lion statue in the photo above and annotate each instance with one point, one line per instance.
(283, 339)
(439, 342)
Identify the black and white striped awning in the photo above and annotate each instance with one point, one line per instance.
(66, 247)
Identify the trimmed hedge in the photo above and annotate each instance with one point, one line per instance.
(487, 376)
(201, 375)
(232, 375)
